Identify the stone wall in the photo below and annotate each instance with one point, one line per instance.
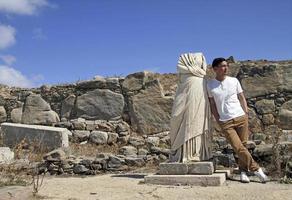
(143, 101)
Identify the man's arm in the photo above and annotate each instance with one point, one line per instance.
(214, 108)
(243, 103)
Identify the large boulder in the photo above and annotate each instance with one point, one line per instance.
(285, 116)
(3, 115)
(16, 115)
(38, 111)
(67, 106)
(150, 110)
(98, 82)
(136, 81)
(265, 106)
(100, 104)
(266, 78)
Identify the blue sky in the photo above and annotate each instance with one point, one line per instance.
(63, 41)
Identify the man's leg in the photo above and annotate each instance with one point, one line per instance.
(241, 127)
(244, 157)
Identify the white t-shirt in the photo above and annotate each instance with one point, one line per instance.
(225, 96)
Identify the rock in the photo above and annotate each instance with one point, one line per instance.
(81, 136)
(67, 106)
(79, 124)
(150, 110)
(268, 119)
(37, 111)
(91, 125)
(55, 155)
(136, 81)
(46, 136)
(112, 138)
(259, 136)
(226, 160)
(152, 141)
(250, 145)
(263, 152)
(285, 115)
(123, 127)
(100, 104)
(255, 124)
(136, 141)
(265, 106)
(135, 161)
(3, 115)
(143, 152)
(115, 162)
(128, 151)
(124, 139)
(16, 115)
(100, 83)
(6, 155)
(264, 79)
(80, 169)
(98, 137)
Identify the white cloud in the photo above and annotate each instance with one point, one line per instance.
(38, 34)
(22, 7)
(12, 77)
(7, 36)
(8, 59)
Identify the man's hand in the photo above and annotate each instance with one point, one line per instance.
(243, 103)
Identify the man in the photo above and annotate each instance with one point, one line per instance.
(229, 107)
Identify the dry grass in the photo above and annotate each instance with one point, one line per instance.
(91, 149)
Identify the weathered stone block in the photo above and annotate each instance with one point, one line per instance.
(6, 155)
(46, 136)
(173, 169)
(196, 180)
(200, 168)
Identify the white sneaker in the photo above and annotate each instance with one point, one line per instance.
(244, 178)
(262, 176)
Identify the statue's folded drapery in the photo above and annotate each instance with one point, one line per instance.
(190, 121)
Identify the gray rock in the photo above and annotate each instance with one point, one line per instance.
(267, 78)
(79, 124)
(67, 106)
(81, 136)
(101, 83)
(255, 124)
(115, 162)
(112, 138)
(135, 161)
(38, 111)
(268, 119)
(122, 127)
(6, 155)
(150, 110)
(46, 136)
(285, 116)
(136, 141)
(100, 104)
(55, 155)
(80, 169)
(265, 106)
(128, 151)
(143, 152)
(3, 115)
(263, 151)
(152, 141)
(16, 115)
(136, 81)
(98, 137)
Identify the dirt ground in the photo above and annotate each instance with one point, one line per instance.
(131, 186)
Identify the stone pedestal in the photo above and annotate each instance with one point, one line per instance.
(193, 173)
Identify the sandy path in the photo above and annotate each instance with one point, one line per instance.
(106, 187)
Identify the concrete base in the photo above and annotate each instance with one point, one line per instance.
(216, 179)
(47, 137)
(195, 168)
